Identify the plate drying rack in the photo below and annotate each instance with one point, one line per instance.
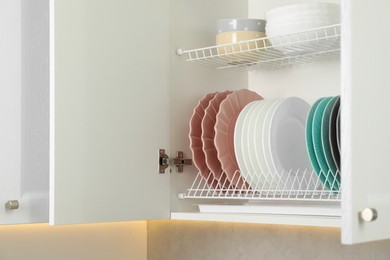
(294, 185)
(270, 52)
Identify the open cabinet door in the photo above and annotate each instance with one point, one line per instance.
(365, 120)
(109, 110)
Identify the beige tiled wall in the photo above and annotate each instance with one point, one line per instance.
(187, 240)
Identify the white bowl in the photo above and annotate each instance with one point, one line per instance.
(306, 24)
(307, 15)
(299, 9)
(309, 18)
(287, 28)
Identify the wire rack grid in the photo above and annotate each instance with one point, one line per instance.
(271, 52)
(297, 185)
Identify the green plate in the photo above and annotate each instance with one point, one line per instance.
(326, 146)
(333, 134)
(309, 141)
(325, 174)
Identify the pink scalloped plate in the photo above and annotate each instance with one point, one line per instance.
(196, 144)
(226, 119)
(208, 135)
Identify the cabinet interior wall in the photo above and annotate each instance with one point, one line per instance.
(35, 97)
(193, 24)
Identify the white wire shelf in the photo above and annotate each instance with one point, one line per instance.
(293, 185)
(271, 52)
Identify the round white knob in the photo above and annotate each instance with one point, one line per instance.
(368, 214)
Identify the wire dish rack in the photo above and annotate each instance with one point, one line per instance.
(293, 185)
(271, 52)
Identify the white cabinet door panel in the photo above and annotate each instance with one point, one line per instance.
(24, 128)
(110, 110)
(365, 119)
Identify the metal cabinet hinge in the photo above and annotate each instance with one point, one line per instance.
(178, 161)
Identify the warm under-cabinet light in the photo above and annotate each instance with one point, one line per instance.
(121, 240)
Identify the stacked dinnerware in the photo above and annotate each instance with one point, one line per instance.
(212, 137)
(196, 143)
(241, 141)
(269, 142)
(296, 18)
(323, 140)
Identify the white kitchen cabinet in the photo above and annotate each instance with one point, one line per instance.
(363, 128)
(118, 93)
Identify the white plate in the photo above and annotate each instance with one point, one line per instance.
(301, 9)
(256, 158)
(266, 140)
(287, 136)
(238, 130)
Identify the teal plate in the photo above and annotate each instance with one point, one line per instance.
(333, 133)
(325, 174)
(309, 141)
(326, 146)
(338, 130)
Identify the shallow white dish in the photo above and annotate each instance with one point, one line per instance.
(308, 19)
(309, 16)
(290, 20)
(293, 27)
(266, 139)
(238, 140)
(256, 159)
(300, 9)
(314, 21)
(287, 136)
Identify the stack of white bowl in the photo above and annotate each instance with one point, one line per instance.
(300, 17)
(238, 30)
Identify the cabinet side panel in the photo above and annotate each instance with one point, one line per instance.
(111, 69)
(35, 100)
(366, 127)
(10, 104)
